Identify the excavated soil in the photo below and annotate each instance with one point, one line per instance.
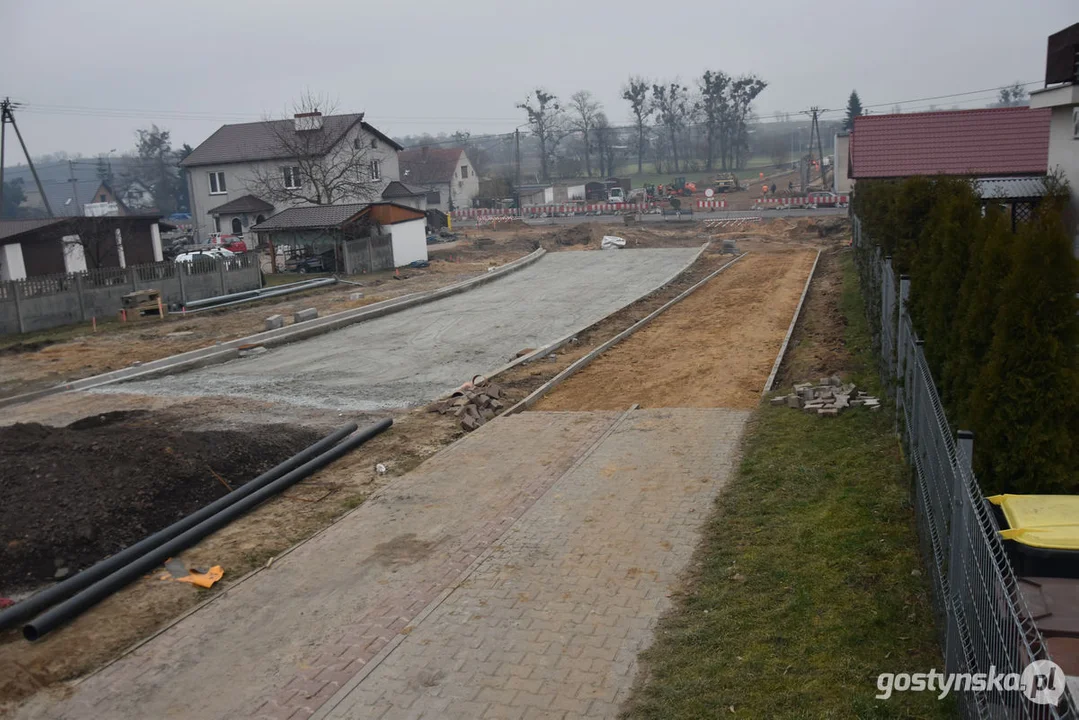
(714, 349)
(76, 494)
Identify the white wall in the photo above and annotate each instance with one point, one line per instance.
(74, 254)
(843, 183)
(1064, 155)
(464, 189)
(409, 241)
(12, 266)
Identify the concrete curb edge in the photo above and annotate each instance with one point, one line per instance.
(790, 330)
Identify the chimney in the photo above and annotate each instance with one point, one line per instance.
(308, 121)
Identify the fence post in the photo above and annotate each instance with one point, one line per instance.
(16, 293)
(221, 275)
(78, 294)
(134, 278)
(181, 270)
(370, 253)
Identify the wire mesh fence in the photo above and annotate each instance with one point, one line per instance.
(984, 623)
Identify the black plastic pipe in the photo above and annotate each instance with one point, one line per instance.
(62, 590)
(100, 590)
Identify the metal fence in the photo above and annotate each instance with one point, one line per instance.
(984, 622)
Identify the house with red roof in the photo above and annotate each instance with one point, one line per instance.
(446, 174)
(1005, 150)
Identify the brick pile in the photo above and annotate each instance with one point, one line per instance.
(473, 404)
(830, 397)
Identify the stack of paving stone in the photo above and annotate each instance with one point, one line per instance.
(829, 397)
(472, 406)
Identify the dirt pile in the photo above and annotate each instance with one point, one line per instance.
(73, 495)
(472, 405)
(583, 234)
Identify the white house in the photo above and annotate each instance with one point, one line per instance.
(1061, 96)
(446, 173)
(230, 170)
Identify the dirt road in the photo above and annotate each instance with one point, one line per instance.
(714, 349)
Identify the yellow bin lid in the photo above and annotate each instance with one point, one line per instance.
(1042, 521)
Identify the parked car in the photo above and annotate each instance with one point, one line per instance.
(215, 253)
(323, 262)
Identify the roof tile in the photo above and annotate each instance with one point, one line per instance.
(991, 141)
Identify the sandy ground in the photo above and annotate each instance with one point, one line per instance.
(728, 334)
(417, 355)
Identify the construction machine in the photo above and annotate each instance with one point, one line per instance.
(726, 182)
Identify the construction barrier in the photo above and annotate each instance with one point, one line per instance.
(565, 209)
(711, 204)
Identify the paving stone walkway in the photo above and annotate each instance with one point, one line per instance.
(515, 574)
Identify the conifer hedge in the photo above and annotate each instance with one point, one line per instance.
(1000, 319)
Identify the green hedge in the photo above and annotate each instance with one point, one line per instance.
(1000, 320)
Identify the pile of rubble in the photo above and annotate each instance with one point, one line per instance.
(827, 398)
(473, 404)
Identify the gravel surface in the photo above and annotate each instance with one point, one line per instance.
(414, 356)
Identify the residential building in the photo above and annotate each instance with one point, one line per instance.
(135, 199)
(446, 173)
(1060, 98)
(313, 230)
(403, 194)
(230, 173)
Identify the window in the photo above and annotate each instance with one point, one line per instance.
(464, 171)
(374, 143)
(102, 198)
(217, 223)
(237, 227)
(376, 169)
(292, 178)
(217, 183)
(1075, 123)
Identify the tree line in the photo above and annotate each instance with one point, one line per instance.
(664, 114)
(998, 312)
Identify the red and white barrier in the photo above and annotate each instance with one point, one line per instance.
(552, 210)
(711, 204)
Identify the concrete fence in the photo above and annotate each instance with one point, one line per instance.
(47, 301)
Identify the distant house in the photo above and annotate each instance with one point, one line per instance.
(229, 169)
(135, 199)
(404, 194)
(1060, 98)
(446, 173)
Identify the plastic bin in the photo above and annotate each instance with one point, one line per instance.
(1041, 533)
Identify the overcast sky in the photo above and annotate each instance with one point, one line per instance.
(423, 65)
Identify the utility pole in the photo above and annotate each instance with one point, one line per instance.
(74, 187)
(814, 129)
(517, 181)
(7, 115)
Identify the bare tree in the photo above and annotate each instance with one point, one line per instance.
(672, 105)
(606, 145)
(743, 91)
(715, 106)
(317, 165)
(1014, 95)
(585, 111)
(636, 93)
(546, 119)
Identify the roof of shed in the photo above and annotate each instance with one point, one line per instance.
(248, 142)
(991, 141)
(429, 165)
(1010, 187)
(400, 189)
(311, 218)
(245, 204)
(11, 228)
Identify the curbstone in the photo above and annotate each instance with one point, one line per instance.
(274, 322)
(304, 315)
